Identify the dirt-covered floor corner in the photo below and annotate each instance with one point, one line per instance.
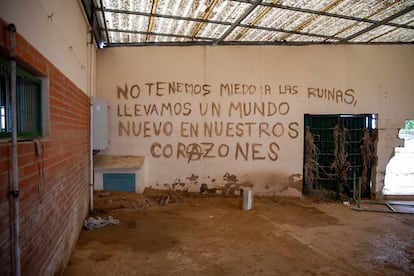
(206, 234)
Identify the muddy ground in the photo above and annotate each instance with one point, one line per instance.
(204, 234)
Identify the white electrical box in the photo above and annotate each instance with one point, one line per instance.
(100, 123)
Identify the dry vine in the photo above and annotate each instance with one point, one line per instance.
(340, 165)
(311, 161)
(368, 152)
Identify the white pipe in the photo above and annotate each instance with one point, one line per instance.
(91, 162)
(90, 74)
(15, 165)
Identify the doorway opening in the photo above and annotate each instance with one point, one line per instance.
(339, 152)
(399, 174)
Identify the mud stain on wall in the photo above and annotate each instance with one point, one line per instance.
(232, 184)
(295, 181)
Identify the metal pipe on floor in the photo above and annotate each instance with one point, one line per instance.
(15, 166)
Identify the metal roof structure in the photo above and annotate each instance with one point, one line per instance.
(244, 22)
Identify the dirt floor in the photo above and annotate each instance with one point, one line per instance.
(204, 234)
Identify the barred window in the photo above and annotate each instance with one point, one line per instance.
(29, 103)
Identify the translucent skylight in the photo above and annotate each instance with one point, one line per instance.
(147, 22)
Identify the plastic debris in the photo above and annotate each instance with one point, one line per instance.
(98, 222)
(164, 199)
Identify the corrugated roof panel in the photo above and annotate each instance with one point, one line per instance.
(283, 21)
(305, 4)
(158, 38)
(127, 21)
(304, 38)
(236, 32)
(328, 26)
(261, 35)
(167, 25)
(398, 6)
(354, 28)
(395, 35)
(202, 39)
(228, 11)
(254, 14)
(361, 9)
(213, 30)
(128, 5)
(113, 36)
(406, 19)
(373, 34)
(121, 37)
(183, 8)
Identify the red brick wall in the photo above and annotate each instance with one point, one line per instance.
(50, 223)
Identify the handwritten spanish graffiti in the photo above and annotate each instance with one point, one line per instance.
(257, 114)
(198, 151)
(148, 129)
(346, 96)
(160, 89)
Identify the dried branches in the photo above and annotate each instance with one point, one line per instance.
(368, 152)
(340, 165)
(311, 162)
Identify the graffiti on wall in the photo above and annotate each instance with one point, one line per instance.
(203, 113)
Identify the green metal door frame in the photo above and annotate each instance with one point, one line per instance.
(338, 144)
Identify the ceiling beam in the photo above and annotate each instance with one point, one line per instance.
(151, 19)
(159, 34)
(256, 20)
(254, 27)
(94, 21)
(359, 19)
(334, 39)
(104, 22)
(378, 24)
(246, 26)
(371, 15)
(237, 22)
(219, 23)
(307, 21)
(247, 43)
(205, 17)
(176, 17)
(288, 32)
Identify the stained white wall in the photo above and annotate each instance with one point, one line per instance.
(58, 30)
(372, 79)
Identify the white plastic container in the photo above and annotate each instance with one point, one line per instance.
(246, 202)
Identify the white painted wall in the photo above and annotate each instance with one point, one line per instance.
(378, 79)
(58, 30)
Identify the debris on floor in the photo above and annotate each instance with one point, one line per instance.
(164, 199)
(98, 222)
(207, 234)
(110, 200)
(396, 207)
(204, 189)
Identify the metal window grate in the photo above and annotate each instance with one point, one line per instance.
(29, 109)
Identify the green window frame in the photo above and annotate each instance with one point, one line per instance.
(29, 103)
